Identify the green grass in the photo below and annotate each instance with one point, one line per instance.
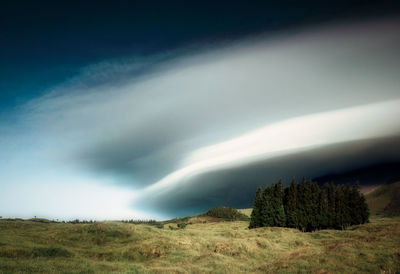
(204, 245)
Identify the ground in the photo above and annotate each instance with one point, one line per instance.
(205, 245)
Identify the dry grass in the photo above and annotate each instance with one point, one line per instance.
(246, 211)
(203, 246)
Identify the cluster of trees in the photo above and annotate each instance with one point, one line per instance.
(308, 207)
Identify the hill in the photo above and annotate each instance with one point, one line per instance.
(205, 244)
(385, 200)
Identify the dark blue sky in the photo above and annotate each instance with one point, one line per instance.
(43, 43)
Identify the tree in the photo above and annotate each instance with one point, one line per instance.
(308, 207)
(364, 210)
(346, 204)
(314, 206)
(331, 206)
(342, 211)
(279, 218)
(304, 206)
(355, 204)
(256, 214)
(291, 205)
(323, 210)
(267, 212)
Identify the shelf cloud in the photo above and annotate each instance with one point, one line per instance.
(191, 116)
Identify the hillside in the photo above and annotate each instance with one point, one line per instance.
(204, 245)
(385, 200)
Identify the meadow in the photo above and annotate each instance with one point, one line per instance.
(206, 244)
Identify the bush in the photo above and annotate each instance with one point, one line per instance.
(182, 225)
(226, 213)
(77, 221)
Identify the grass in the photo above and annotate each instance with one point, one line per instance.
(205, 245)
(246, 211)
(385, 200)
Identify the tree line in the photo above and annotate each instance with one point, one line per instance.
(308, 207)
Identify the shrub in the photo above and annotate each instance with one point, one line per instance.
(77, 221)
(182, 225)
(226, 213)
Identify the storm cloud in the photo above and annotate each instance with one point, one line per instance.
(235, 186)
(315, 97)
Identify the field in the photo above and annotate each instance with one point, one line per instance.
(204, 245)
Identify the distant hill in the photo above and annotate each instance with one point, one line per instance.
(385, 200)
(367, 176)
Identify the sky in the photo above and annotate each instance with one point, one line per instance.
(127, 110)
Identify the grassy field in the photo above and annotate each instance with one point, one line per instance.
(205, 245)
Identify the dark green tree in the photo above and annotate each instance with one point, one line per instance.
(323, 210)
(364, 209)
(291, 205)
(347, 210)
(314, 206)
(342, 211)
(256, 214)
(279, 218)
(304, 208)
(308, 207)
(331, 206)
(267, 215)
(355, 204)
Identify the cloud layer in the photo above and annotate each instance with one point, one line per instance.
(169, 130)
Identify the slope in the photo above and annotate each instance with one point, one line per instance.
(385, 200)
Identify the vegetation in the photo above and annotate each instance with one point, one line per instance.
(138, 222)
(206, 245)
(227, 213)
(308, 207)
(202, 244)
(385, 200)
